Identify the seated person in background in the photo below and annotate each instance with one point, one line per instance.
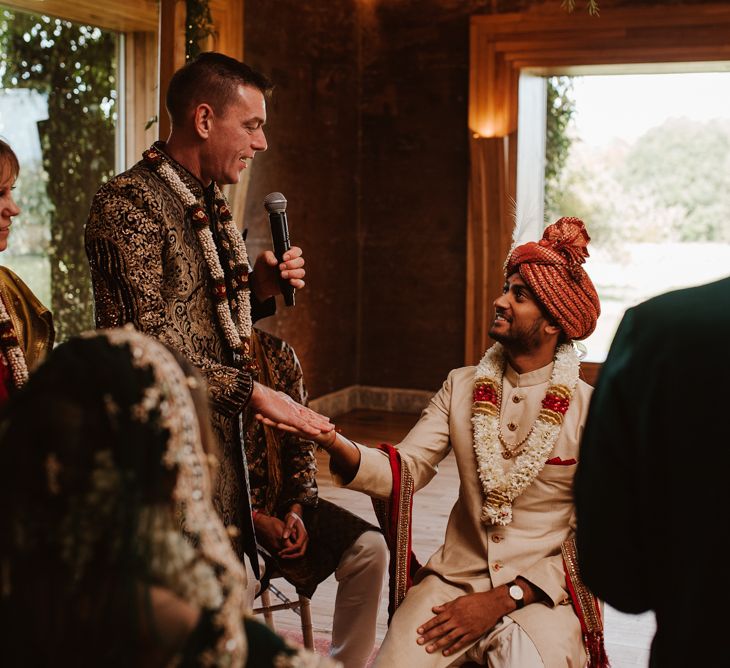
(111, 551)
(26, 326)
(495, 593)
(308, 538)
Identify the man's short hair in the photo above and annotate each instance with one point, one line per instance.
(212, 78)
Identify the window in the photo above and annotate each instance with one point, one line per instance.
(75, 99)
(647, 167)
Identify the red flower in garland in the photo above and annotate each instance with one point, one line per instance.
(555, 403)
(223, 211)
(219, 291)
(198, 216)
(152, 156)
(485, 392)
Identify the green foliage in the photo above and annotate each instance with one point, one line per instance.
(672, 184)
(73, 65)
(30, 193)
(560, 110)
(686, 165)
(592, 6)
(198, 26)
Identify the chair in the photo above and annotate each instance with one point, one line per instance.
(301, 607)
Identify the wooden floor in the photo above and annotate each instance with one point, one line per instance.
(627, 636)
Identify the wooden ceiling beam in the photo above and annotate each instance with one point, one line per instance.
(127, 16)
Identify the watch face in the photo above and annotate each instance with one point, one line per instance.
(515, 591)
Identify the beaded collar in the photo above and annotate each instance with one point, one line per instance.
(233, 311)
(501, 488)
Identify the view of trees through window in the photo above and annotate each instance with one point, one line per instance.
(644, 160)
(58, 101)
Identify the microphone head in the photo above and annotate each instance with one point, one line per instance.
(275, 203)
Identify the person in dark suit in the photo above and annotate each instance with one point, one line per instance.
(651, 486)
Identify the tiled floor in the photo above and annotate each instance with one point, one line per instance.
(628, 637)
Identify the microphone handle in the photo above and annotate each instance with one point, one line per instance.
(281, 243)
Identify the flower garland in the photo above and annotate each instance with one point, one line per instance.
(10, 347)
(234, 316)
(500, 487)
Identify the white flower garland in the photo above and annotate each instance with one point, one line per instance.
(233, 315)
(11, 348)
(501, 488)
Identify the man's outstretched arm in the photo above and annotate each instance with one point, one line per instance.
(344, 455)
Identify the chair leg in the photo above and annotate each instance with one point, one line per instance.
(266, 604)
(306, 613)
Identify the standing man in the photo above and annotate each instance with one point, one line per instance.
(651, 487)
(495, 592)
(167, 257)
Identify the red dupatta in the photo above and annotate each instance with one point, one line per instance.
(394, 517)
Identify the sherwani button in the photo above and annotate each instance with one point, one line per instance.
(516, 399)
(512, 426)
(496, 538)
(496, 565)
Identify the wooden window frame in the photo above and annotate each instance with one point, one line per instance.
(154, 47)
(546, 40)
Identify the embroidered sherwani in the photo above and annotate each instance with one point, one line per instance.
(476, 557)
(148, 269)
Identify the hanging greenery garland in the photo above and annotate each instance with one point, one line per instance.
(569, 6)
(198, 26)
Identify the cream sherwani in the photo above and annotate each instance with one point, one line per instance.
(476, 557)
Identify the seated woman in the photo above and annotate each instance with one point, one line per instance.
(111, 553)
(26, 327)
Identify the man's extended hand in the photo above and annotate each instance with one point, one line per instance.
(460, 622)
(280, 410)
(267, 271)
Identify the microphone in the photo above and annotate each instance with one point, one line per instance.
(275, 204)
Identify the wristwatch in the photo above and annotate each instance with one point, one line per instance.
(517, 594)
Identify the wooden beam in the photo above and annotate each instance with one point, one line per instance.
(127, 16)
(171, 54)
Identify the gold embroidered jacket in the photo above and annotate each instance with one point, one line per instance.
(32, 322)
(148, 269)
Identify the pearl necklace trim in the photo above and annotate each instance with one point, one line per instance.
(234, 315)
(11, 348)
(501, 488)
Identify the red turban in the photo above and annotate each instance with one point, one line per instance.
(552, 269)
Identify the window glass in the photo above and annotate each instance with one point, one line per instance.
(58, 110)
(644, 160)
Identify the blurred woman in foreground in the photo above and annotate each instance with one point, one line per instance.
(111, 552)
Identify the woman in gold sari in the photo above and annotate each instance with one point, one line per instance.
(26, 326)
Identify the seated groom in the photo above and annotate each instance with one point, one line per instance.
(495, 592)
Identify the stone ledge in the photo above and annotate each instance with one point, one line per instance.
(354, 397)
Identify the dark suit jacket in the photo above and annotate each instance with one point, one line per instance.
(653, 483)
